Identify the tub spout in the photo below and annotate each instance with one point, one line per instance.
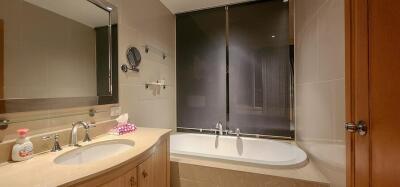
(218, 127)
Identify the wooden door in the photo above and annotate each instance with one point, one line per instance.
(154, 172)
(373, 91)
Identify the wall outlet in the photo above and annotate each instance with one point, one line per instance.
(115, 111)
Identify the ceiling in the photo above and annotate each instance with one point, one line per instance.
(179, 6)
(81, 11)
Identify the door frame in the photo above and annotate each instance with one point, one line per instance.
(357, 91)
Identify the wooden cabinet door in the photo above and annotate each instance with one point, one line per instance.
(128, 179)
(154, 171)
(113, 179)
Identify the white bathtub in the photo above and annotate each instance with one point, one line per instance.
(249, 150)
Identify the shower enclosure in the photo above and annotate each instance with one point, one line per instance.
(235, 65)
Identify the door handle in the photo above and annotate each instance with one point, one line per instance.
(360, 127)
(132, 181)
(144, 173)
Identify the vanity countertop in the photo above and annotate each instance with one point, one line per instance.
(42, 171)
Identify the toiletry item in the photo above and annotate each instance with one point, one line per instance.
(122, 119)
(122, 129)
(123, 125)
(23, 148)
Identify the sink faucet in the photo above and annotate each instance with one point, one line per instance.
(218, 127)
(74, 134)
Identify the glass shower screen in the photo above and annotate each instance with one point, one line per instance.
(259, 68)
(234, 66)
(201, 59)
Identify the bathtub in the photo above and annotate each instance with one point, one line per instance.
(265, 152)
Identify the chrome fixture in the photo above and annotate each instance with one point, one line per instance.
(219, 128)
(87, 137)
(360, 128)
(4, 123)
(56, 145)
(213, 130)
(160, 83)
(134, 59)
(237, 132)
(147, 48)
(74, 134)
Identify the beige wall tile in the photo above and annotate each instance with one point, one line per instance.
(319, 85)
(147, 23)
(331, 40)
(306, 54)
(314, 111)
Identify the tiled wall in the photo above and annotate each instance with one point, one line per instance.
(39, 126)
(147, 22)
(319, 84)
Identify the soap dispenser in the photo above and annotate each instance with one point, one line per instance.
(23, 148)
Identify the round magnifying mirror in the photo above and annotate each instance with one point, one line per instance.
(134, 58)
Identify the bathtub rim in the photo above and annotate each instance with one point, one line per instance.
(257, 163)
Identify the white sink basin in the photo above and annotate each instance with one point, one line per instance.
(95, 151)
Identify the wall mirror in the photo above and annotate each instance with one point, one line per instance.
(57, 54)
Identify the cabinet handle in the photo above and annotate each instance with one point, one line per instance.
(133, 182)
(144, 173)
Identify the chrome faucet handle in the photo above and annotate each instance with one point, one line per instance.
(217, 125)
(87, 136)
(56, 145)
(237, 132)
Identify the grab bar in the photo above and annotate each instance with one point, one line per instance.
(201, 130)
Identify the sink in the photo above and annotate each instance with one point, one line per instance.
(95, 151)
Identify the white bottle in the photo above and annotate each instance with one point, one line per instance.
(23, 148)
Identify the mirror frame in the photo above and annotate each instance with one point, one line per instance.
(37, 104)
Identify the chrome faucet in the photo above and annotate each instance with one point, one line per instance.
(219, 129)
(74, 134)
(56, 145)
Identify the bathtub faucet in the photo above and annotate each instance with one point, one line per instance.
(237, 132)
(219, 128)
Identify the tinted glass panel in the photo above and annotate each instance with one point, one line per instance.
(259, 68)
(201, 68)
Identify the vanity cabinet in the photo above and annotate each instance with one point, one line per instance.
(128, 179)
(154, 172)
(150, 170)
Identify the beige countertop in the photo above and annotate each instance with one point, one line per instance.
(41, 171)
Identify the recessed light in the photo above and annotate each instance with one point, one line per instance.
(273, 36)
